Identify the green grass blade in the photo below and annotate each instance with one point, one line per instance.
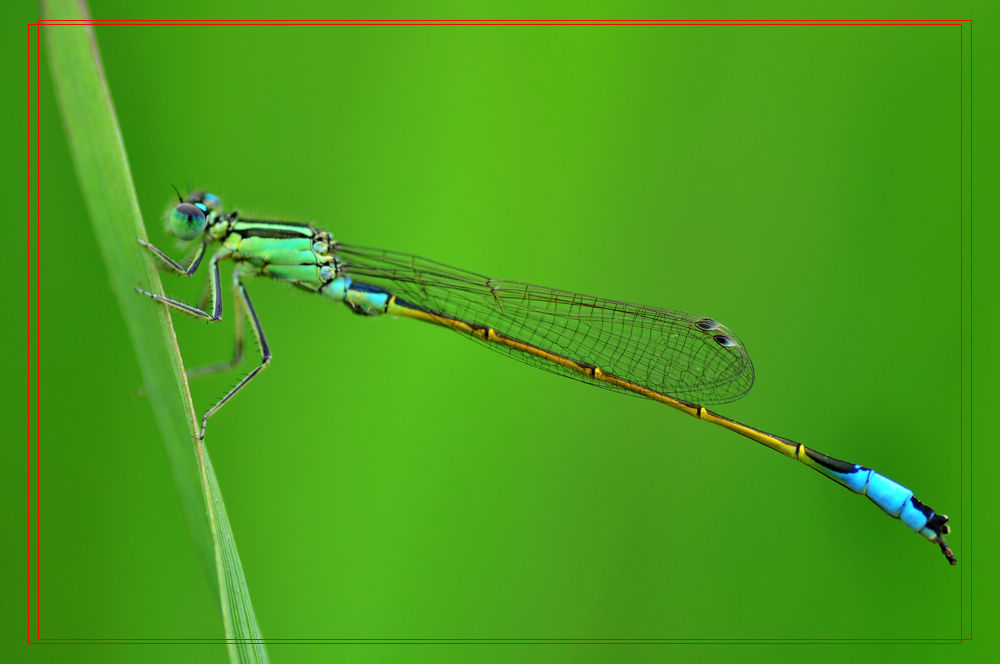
(98, 153)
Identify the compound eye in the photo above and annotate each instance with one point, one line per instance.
(187, 221)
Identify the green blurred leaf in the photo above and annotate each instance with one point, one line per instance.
(103, 172)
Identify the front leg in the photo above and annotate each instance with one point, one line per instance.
(186, 271)
(215, 294)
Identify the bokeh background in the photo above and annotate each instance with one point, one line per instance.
(387, 479)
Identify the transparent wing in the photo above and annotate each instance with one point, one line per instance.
(686, 356)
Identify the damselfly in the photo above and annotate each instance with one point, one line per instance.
(679, 359)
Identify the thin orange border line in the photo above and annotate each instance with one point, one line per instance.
(965, 538)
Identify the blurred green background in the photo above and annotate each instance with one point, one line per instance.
(387, 479)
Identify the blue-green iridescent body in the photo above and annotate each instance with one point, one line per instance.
(300, 254)
(679, 359)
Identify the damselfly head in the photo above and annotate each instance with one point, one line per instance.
(208, 200)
